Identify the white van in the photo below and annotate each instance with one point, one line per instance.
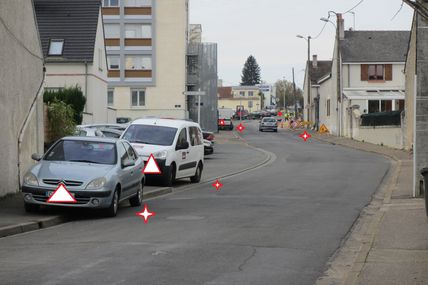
(176, 145)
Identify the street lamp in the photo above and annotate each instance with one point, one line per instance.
(308, 40)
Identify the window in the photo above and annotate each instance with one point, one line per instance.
(376, 72)
(110, 97)
(386, 105)
(56, 47)
(138, 3)
(130, 151)
(192, 64)
(242, 93)
(151, 135)
(122, 152)
(195, 138)
(250, 93)
(182, 137)
(111, 3)
(374, 106)
(113, 62)
(138, 31)
(138, 62)
(138, 98)
(328, 107)
(112, 31)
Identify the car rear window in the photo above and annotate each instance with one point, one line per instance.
(152, 135)
(269, 120)
(83, 151)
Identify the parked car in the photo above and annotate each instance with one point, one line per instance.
(254, 115)
(176, 145)
(225, 124)
(98, 172)
(208, 147)
(111, 133)
(268, 123)
(121, 127)
(208, 136)
(88, 132)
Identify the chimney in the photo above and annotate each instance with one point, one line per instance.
(341, 26)
(314, 61)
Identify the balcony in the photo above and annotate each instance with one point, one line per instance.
(108, 11)
(139, 11)
(113, 73)
(138, 73)
(112, 42)
(138, 42)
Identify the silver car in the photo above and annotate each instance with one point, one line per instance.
(98, 172)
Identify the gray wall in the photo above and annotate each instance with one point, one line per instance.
(204, 78)
(20, 78)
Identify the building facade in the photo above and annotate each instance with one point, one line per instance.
(246, 97)
(72, 37)
(269, 97)
(21, 125)
(146, 44)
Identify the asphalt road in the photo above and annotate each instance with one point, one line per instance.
(276, 225)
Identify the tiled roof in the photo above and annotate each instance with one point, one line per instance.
(74, 21)
(225, 92)
(323, 68)
(375, 46)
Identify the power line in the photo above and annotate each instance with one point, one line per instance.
(322, 30)
(398, 12)
(19, 41)
(358, 4)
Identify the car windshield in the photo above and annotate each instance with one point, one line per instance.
(269, 120)
(83, 151)
(153, 135)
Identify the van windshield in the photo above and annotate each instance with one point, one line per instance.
(153, 135)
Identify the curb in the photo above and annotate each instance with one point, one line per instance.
(32, 226)
(157, 192)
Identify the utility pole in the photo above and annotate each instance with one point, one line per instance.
(309, 78)
(339, 67)
(295, 97)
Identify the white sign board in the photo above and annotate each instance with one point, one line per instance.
(195, 93)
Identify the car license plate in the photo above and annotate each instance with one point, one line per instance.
(50, 193)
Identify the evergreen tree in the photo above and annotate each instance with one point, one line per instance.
(250, 72)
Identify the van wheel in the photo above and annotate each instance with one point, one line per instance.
(138, 198)
(170, 176)
(198, 174)
(31, 208)
(111, 211)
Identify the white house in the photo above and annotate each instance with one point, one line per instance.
(72, 37)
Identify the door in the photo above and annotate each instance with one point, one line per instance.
(182, 154)
(196, 149)
(136, 173)
(126, 173)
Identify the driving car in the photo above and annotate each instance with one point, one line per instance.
(98, 172)
(268, 123)
(208, 147)
(176, 145)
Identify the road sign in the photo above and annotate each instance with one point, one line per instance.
(195, 93)
(323, 129)
(61, 195)
(151, 166)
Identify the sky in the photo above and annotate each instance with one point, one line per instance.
(267, 30)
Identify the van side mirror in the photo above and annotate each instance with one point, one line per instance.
(36, 157)
(184, 145)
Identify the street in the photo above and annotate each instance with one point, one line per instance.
(277, 224)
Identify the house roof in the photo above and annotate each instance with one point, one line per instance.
(225, 92)
(323, 68)
(74, 21)
(375, 46)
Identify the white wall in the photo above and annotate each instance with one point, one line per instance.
(352, 78)
(390, 136)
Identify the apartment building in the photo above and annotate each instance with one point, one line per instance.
(146, 54)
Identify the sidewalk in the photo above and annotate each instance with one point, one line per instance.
(388, 244)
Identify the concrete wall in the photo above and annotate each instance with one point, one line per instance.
(390, 136)
(20, 79)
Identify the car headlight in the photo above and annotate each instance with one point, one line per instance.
(31, 179)
(96, 183)
(161, 154)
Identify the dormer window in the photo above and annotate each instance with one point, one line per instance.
(56, 47)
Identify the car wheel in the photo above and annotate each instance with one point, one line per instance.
(170, 176)
(111, 211)
(31, 208)
(198, 174)
(138, 198)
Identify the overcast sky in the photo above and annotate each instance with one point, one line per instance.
(267, 29)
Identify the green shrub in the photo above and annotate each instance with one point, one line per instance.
(61, 120)
(72, 96)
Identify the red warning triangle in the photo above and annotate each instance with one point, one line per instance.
(61, 195)
(151, 166)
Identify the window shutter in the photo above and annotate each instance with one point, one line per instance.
(388, 72)
(364, 72)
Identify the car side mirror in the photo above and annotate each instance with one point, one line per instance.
(184, 145)
(127, 163)
(36, 157)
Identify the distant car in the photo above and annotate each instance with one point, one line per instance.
(98, 172)
(208, 136)
(88, 132)
(208, 147)
(254, 116)
(121, 127)
(268, 123)
(176, 145)
(225, 124)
